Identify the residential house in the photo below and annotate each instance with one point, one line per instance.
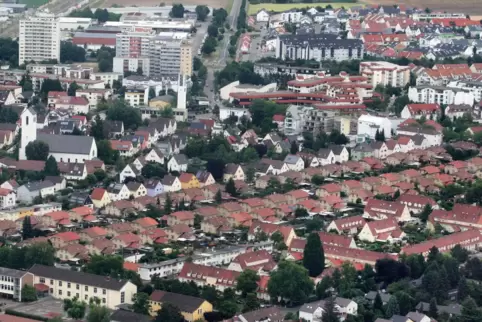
(381, 209)
(347, 225)
(385, 230)
(129, 171)
(171, 183)
(27, 192)
(136, 189)
(178, 162)
(118, 191)
(154, 187)
(100, 197)
(234, 171)
(294, 162)
(192, 308)
(341, 153)
(188, 180)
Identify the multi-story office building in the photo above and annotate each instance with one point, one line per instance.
(163, 56)
(39, 38)
(319, 47)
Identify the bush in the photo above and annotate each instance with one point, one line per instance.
(25, 315)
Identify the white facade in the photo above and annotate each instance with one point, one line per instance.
(226, 112)
(473, 87)
(123, 64)
(236, 87)
(94, 96)
(385, 73)
(440, 95)
(108, 78)
(262, 16)
(39, 38)
(291, 16)
(26, 196)
(127, 172)
(368, 125)
(29, 131)
(8, 199)
(175, 186)
(74, 23)
(433, 139)
(173, 165)
(295, 119)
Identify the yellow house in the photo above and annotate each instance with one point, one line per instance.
(100, 197)
(189, 180)
(192, 308)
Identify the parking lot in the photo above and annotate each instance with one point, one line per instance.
(47, 307)
(257, 50)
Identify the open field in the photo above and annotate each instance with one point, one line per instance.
(33, 3)
(155, 3)
(470, 7)
(278, 7)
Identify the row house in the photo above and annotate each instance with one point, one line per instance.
(201, 275)
(469, 239)
(269, 229)
(454, 221)
(385, 230)
(260, 261)
(381, 209)
(347, 225)
(416, 203)
(355, 255)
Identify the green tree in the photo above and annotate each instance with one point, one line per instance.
(27, 229)
(98, 313)
(70, 53)
(213, 31)
(169, 313)
(231, 187)
(247, 282)
(141, 303)
(462, 289)
(120, 111)
(51, 168)
(106, 153)
(228, 308)
(72, 90)
(405, 302)
(29, 294)
(209, 45)
(37, 150)
(75, 308)
(427, 210)
(313, 255)
(432, 309)
(470, 311)
(323, 287)
(250, 174)
(177, 11)
(392, 307)
(291, 282)
(251, 302)
(330, 314)
(218, 198)
(378, 303)
(202, 12)
(459, 253)
(168, 205)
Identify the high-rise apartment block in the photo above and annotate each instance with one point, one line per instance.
(163, 55)
(39, 38)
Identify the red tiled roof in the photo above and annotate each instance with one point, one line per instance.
(445, 243)
(183, 215)
(146, 222)
(67, 236)
(98, 194)
(219, 276)
(186, 177)
(95, 231)
(335, 240)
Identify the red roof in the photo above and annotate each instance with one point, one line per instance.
(331, 187)
(201, 273)
(146, 222)
(121, 145)
(98, 194)
(334, 239)
(72, 100)
(94, 41)
(346, 223)
(183, 215)
(67, 236)
(278, 118)
(415, 108)
(131, 266)
(445, 243)
(95, 231)
(404, 140)
(186, 177)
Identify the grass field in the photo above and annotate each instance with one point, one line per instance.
(33, 3)
(279, 7)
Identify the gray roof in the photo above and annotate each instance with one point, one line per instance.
(291, 159)
(337, 149)
(115, 187)
(38, 185)
(323, 153)
(67, 143)
(398, 318)
(372, 294)
(231, 168)
(68, 275)
(168, 180)
(272, 314)
(180, 158)
(312, 307)
(320, 41)
(454, 309)
(11, 272)
(55, 179)
(363, 147)
(415, 316)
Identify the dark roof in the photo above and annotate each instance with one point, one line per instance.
(272, 313)
(337, 149)
(113, 126)
(8, 126)
(320, 41)
(180, 159)
(55, 179)
(38, 185)
(78, 277)
(67, 143)
(128, 316)
(168, 180)
(184, 302)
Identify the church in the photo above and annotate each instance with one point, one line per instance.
(64, 148)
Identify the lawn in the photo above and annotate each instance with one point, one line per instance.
(34, 3)
(279, 7)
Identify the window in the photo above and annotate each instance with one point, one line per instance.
(95, 289)
(60, 292)
(68, 294)
(86, 288)
(77, 286)
(103, 300)
(104, 291)
(123, 296)
(42, 280)
(77, 295)
(51, 282)
(26, 120)
(86, 297)
(68, 285)
(60, 283)
(52, 290)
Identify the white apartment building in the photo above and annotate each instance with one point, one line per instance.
(385, 73)
(108, 78)
(39, 38)
(12, 282)
(295, 119)
(319, 47)
(368, 125)
(440, 95)
(473, 87)
(164, 55)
